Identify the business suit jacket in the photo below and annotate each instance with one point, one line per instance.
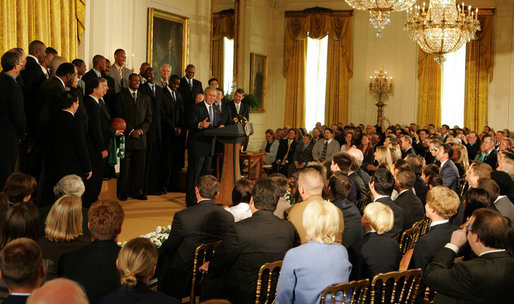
(33, 77)
(94, 267)
(12, 115)
(48, 100)
(492, 159)
(429, 244)
(120, 82)
(202, 223)
(244, 110)
(302, 153)
(485, 279)
(249, 243)
(360, 187)
(399, 216)
(154, 131)
(408, 151)
(189, 93)
(16, 299)
(172, 113)
(87, 77)
(282, 150)
(99, 130)
(473, 149)
(412, 207)
(374, 254)
(505, 207)
(450, 175)
(198, 143)
(421, 189)
(139, 294)
(226, 113)
(332, 148)
(352, 221)
(137, 115)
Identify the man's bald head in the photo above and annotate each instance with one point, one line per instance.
(59, 291)
(310, 182)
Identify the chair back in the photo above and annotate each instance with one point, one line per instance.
(268, 274)
(408, 239)
(396, 287)
(203, 254)
(429, 296)
(354, 291)
(423, 225)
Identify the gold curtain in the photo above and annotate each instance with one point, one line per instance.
(58, 23)
(317, 23)
(223, 25)
(429, 90)
(479, 72)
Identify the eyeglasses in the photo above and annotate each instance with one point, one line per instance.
(468, 228)
(434, 149)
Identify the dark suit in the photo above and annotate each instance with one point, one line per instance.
(412, 207)
(419, 148)
(48, 100)
(17, 299)
(352, 221)
(421, 189)
(189, 93)
(138, 115)
(250, 243)
(12, 124)
(302, 155)
(492, 159)
(202, 223)
(139, 294)
(94, 267)
(33, 77)
(244, 110)
(285, 152)
(485, 279)
(91, 74)
(360, 187)
(450, 175)
(408, 151)
(226, 113)
(473, 149)
(374, 254)
(399, 216)
(200, 148)
(429, 244)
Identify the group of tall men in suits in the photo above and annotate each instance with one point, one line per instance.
(56, 120)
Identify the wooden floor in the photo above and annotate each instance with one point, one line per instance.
(142, 217)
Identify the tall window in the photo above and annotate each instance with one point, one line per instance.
(453, 88)
(228, 65)
(315, 81)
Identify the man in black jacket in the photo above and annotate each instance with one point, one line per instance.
(285, 153)
(407, 200)
(189, 88)
(250, 243)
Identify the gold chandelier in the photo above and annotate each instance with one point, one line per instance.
(443, 27)
(380, 10)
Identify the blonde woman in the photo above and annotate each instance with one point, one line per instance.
(383, 157)
(308, 269)
(63, 228)
(136, 262)
(460, 158)
(396, 151)
(376, 252)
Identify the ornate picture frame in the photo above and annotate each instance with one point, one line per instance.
(258, 79)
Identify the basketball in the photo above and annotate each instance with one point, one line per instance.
(118, 124)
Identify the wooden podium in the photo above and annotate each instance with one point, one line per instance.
(231, 136)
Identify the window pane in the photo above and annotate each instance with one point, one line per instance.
(453, 87)
(315, 81)
(228, 65)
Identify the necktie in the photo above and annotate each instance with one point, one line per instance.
(120, 71)
(288, 147)
(153, 90)
(219, 110)
(102, 102)
(324, 153)
(191, 83)
(173, 95)
(237, 108)
(210, 114)
(134, 96)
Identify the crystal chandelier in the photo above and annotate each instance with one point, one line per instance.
(443, 27)
(381, 87)
(380, 10)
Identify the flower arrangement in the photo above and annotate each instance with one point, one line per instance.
(157, 237)
(289, 198)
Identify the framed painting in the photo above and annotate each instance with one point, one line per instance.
(168, 41)
(258, 79)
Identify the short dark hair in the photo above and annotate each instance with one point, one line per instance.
(208, 186)
(133, 75)
(281, 181)
(96, 59)
(447, 149)
(416, 163)
(265, 194)
(343, 160)
(51, 50)
(475, 198)
(19, 185)
(34, 45)
(435, 180)
(406, 179)
(92, 84)
(118, 51)
(383, 181)
(21, 261)
(242, 192)
(491, 187)
(105, 219)
(446, 126)
(21, 220)
(402, 164)
(212, 79)
(65, 69)
(240, 91)
(339, 185)
(144, 64)
(329, 129)
(430, 170)
(78, 62)
(9, 60)
(174, 77)
(67, 99)
(492, 228)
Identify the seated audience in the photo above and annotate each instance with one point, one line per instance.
(302, 154)
(420, 187)
(304, 275)
(383, 158)
(488, 278)
(448, 171)
(342, 161)
(434, 181)
(270, 146)
(22, 269)
(63, 229)
(428, 171)
(21, 220)
(442, 204)
(282, 184)
(250, 243)
(476, 171)
(324, 155)
(59, 291)
(136, 263)
(475, 198)
(19, 187)
(310, 185)
(357, 158)
(407, 200)
(460, 158)
(94, 266)
(499, 202)
(376, 252)
(338, 188)
(202, 223)
(285, 153)
(505, 183)
(240, 200)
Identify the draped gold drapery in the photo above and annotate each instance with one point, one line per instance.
(429, 90)
(58, 23)
(223, 25)
(317, 23)
(479, 72)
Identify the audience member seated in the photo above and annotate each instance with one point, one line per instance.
(420, 187)
(240, 200)
(383, 158)
(136, 263)
(448, 171)
(285, 153)
(434, 181)
(442, 204)
(63, 229)
(357, 158)
(428, 171)
(376, 252)
(476, 171)
(338, 188)
(498, 202)
(488, 278)
(342, 162)
(474, 198)
(460, 158)
(22, 269)
(407, 200)
(302, 154)
(381, 186)
(310, 185)
(202, 223)
(59, 291)
(19, 187)
(262, 238)
(270, 146)
(94, 266)
(323, 149)
(505, 183)
(304, 274)
(282, 184)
